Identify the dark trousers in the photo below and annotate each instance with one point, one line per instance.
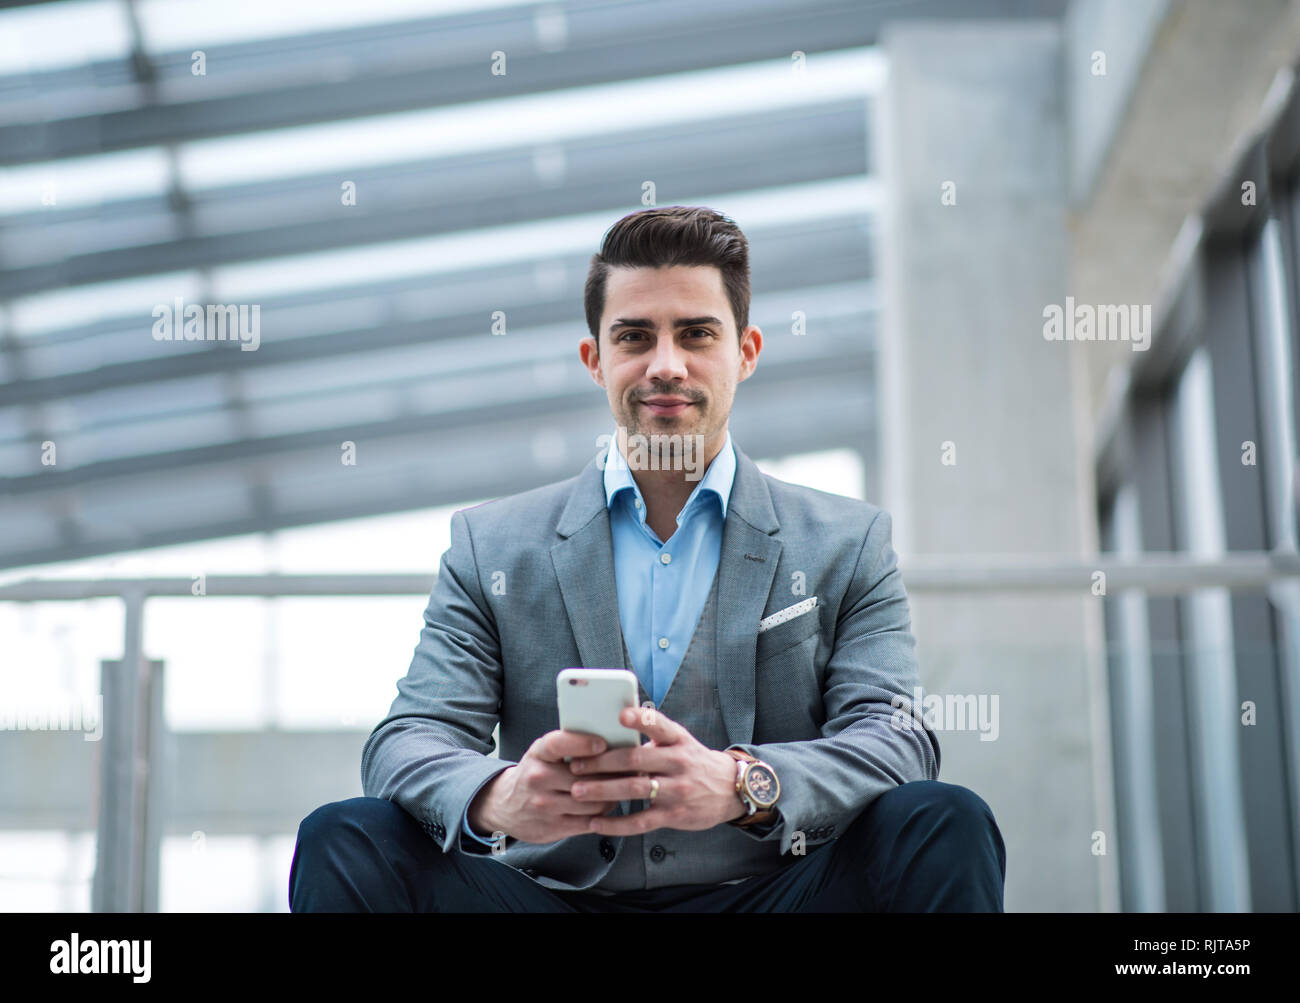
(925, 846)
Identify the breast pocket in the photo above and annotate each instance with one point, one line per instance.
(788, 701)
(785, 636)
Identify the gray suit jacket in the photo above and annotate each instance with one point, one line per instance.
(527, 588)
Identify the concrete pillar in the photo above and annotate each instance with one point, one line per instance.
(979, 446)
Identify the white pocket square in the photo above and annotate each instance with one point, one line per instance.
(789, 613)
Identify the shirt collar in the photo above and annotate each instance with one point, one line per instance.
(717, 479)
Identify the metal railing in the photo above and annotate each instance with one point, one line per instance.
(131, 760)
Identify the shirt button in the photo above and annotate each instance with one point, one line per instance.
(663, 642)
(665, 558)
(657, 853)
(637, 502)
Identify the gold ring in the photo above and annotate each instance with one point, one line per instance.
(654, 789)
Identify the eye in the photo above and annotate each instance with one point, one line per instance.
(694, 330)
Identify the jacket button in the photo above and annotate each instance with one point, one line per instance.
(657, 853)
(607, 849)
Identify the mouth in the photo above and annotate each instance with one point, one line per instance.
(666, 406)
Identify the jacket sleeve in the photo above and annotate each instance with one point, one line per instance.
(871, 742)
(431, 753)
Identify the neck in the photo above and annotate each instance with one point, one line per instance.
(666, 490)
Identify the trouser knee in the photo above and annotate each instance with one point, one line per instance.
(956, 819)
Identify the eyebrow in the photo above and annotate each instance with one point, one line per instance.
(645, 322)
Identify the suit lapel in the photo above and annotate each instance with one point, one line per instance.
(746, 569)
(584, 566)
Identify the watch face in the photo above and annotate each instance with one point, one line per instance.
(761, 784)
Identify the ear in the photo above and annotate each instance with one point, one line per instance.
(750, 347)
(591, 359)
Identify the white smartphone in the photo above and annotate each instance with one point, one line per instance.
(590, 701)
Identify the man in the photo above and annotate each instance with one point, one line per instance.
(766, 622)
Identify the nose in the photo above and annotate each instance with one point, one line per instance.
(668, 363)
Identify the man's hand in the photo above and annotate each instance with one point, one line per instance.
(531, 801)
(697, 785)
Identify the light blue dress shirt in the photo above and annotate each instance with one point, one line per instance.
(662, 587)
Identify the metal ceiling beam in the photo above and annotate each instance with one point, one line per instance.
(305, 214)
(495, 390)
(422, 310)
(486, 452)
(416, 385)
(377, 69)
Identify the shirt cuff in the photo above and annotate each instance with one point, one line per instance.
(761, 829)
(465, 828)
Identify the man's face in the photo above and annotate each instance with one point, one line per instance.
(668, 334)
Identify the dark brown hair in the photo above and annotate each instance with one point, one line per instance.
(666, 236)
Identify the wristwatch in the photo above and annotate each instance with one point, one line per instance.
(757, 788)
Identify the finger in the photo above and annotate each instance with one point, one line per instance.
(555, 804)
(654, 723)
(555, 778)
(564, 804)
(621, 789)
(576, 827)
(632, 759)
(555, 745)
(585, 809)
(550, 780)
(630, 825)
